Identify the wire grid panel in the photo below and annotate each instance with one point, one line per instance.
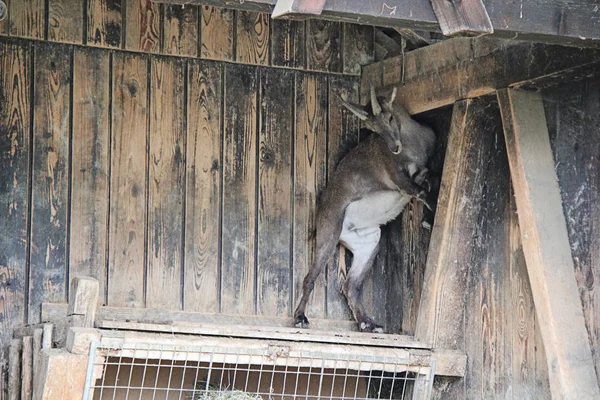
(157, 371)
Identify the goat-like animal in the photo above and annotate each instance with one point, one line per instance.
(370, 187)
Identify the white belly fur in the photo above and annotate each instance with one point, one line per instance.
(375, 210)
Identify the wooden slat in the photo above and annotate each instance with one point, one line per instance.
(546, 21)
(61, 375)
(65, 21)
(546, 246)
(298, 8)
(27, 368)
(15, 139)
(128, 191)
(357, 47)
(14, 369)
(466, 17)
(27, 18)
(253, 38)
(274, 275)
(310, 170)
(51, 135)
(203, 188)
(167, 182)
(83, 299)
(104, 23)
(459, 68)
(218, 37)
(288, 43)
(239, 190)
(54, 311)
(324, 45)
(37, 345)
(343, 136)
(273, 333)
(143, 26)
(180, 35)
(90, 171)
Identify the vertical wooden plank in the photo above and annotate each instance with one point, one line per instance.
(143, 26)
(343, 136)
(358, 47)
(218, 37)
(275, 189)
(65, 21)
(180, 35)
(570, 114)
(546, 246)
(27, 18)
(51, 130)
(15, 139)
(167, 181)
(203, 188)
(104, 23)
(310, 169)
(324, 45)
(252, 45)
(288, 43)
(90, 170)
(128, 190)
(239, 190)
(14, 369)
(27, 368)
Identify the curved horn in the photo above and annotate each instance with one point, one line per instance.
(374, 103)
(355, 109)
(393, 96)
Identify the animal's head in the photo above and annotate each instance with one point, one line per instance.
(380, 118)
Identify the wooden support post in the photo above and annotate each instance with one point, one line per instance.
(47, 336)
(297, 9)
(546, 246)
(83, 299)
(60, 375)
(467, 16)
(27, 368)
(14, 370)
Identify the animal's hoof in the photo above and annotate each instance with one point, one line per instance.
(370, 326)
(301, 322)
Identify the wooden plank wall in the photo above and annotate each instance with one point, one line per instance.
(175, 154)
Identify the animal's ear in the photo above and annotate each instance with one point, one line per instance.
(374, 103)
(357, 110)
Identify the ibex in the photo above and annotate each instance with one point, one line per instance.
(370, 187)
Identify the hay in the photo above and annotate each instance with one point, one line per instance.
(216, 393)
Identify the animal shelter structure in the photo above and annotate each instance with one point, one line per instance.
(161, 164)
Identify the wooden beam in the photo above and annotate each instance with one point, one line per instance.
(60, 375)
(551, 21)
(14, 369)
(295, 9)
(546, 246)
(462, 17)
(460, 68)
(83, 299)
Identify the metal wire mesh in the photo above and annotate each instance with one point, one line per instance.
(162, 371)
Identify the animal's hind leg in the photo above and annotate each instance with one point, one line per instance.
(363, 244)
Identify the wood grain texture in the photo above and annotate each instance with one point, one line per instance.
(180, 35)
(27, 368)
(253, 38)
(50, 181)
(239, 190)
(343, 136)
(65, 21)
(276, 121)
(465, 17)
(26, 18)
(104, 23)
(571, 121)
(127, 222)
(310, 174)
(15, 139)
(324, 45)
(90, 165)
(217, 38)
(167, 182)
(546, 246)
(288, 43)
(203, 187)
(143, 26)
(357, 47)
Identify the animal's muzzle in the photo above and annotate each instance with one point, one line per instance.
(397, 148)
